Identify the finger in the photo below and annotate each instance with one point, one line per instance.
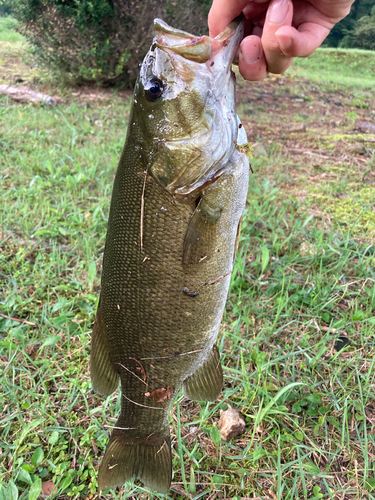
(222, 13)
(302, 42)
(251, 60)
(280, 13)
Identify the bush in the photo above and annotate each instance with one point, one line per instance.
(363, 34)
(343, 33)
(101, 40)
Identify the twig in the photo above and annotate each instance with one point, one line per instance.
(211, 282)
(140, 364)
(143, 406)
(120, 428)
(175, 355)
(19, 320)
(127, 369)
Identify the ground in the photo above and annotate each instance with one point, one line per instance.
(297, 338)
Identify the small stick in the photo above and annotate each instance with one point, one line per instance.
(175, 355)
(140, 364)
(16, 319)
(162, 446)
(120, 428)
(127, 369)
(143, 406)
(211, 282)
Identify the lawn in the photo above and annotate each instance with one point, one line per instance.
(297, 339)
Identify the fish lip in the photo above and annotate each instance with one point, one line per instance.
(225, 45)
(191, 47)
(201, 49)
(160, 25)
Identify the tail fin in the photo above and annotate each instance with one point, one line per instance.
(148, 459)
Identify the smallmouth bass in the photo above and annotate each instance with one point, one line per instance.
(175, 215)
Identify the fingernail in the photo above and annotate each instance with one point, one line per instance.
(278, 11)
(252, 53)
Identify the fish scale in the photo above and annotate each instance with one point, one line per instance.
(168, 257)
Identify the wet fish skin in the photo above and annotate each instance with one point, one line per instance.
(176, 206)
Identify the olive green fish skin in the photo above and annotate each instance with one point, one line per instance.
(166, 271)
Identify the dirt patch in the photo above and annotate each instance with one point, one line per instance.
(324, 141)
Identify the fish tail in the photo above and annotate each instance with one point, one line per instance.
(146, 458)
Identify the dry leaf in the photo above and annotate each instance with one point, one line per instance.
(160, 395)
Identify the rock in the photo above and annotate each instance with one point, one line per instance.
(23, 93)
(231, 423)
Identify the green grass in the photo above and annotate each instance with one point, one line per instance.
(8, 32)
(304, 279)
(343, 67)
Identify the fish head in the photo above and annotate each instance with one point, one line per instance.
(184, 102)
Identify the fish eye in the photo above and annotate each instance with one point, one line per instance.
(153, 88)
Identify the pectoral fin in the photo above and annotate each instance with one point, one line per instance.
(104, 378)
(206, 382)
(201, 234)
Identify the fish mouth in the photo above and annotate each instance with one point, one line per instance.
(218, 51)
(225, 45)
(193, 48)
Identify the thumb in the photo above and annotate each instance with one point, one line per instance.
(302, 42)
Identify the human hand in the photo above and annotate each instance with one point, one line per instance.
(278, 30)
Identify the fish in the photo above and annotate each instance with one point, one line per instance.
(173, 228)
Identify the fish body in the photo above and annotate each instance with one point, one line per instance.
(177, 202)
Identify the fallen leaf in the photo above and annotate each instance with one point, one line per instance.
(160, 395)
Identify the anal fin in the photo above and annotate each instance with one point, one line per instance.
(104, 378)
(206, 382)
(148, 459)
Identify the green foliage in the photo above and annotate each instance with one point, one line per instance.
(100, 40)
(5, 7)
(7, 30)
(364, 33)
(346, 34)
